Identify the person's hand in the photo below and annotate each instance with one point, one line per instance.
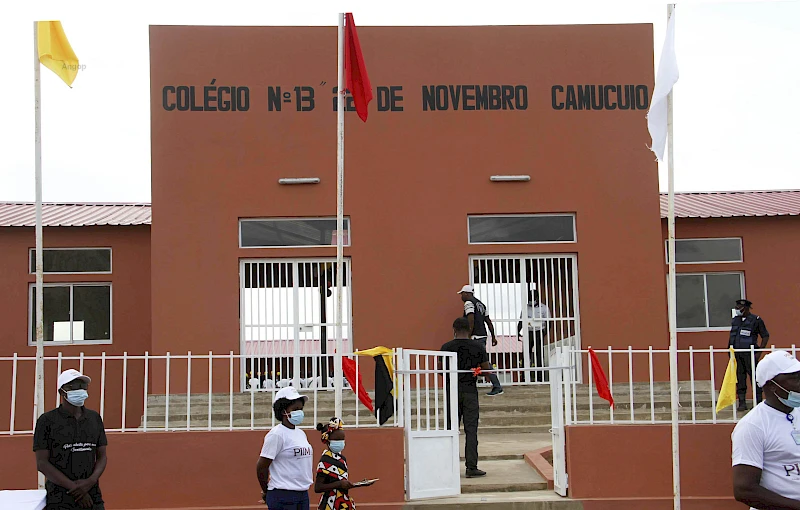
(81, 489)
(494, 341)
(85, 502)
(345, 485)
(519, 337)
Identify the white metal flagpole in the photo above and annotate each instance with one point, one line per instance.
(38, 404)
(672, 307)
(341, 90)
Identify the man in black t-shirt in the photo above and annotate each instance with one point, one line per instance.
(479, 321)
(469, 354)
(70, 446)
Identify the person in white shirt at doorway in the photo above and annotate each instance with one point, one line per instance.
(766, 441)
(538, 327)
(286, 465)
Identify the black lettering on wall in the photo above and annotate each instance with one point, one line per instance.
(274, 99)
(167, 103)
(428, 98)
(642, 97)
(556, 102)
(395, 98)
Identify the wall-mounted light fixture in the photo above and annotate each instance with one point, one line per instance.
(299, 180)
(510, 178)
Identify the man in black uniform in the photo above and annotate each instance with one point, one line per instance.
(70, 446)
(475, 312)
(745, 330)
(470, 354)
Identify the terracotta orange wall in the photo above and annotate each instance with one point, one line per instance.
(624, 465)
(412, 177)
(210, 469)
(130, 281)
(771, 278)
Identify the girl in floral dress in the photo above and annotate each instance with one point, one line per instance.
(332, 476)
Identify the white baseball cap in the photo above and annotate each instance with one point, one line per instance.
(775, 364)
(466, 288)
(69, 375)
(289, 393)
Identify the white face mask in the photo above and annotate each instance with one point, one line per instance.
(736, 313)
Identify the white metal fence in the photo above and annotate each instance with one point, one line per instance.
(159, 392)
(639, 382)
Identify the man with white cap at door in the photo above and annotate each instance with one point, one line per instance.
(766, 441)
(70, 445)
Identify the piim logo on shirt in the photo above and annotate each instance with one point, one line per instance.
(302, 452)
(792, 470)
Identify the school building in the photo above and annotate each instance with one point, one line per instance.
(510, 158)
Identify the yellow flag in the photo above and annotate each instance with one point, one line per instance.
(387, 359)
(55, 52)
(727, 393)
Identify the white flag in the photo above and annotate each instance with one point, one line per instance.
(667, 77)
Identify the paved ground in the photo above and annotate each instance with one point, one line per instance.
(507, 446)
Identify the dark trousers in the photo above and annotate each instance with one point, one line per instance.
(536, 343)
(744, 373)
(278, 499)
(492, 376)
(469, 413)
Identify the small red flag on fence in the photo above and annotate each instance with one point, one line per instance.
(349, 370)
(355, 69)
(600, 380)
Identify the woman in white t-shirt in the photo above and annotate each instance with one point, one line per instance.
(286, 465)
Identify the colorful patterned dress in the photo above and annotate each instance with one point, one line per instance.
(333, 467)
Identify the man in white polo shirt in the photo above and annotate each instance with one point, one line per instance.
(766, 442)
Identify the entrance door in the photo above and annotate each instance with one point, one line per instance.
(288, 323)
(526, 335)
(431, 424)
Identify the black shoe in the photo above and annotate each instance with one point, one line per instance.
(742, 406)
(494, 392)
(475, 473)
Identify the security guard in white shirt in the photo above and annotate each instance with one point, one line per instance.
(766, 442)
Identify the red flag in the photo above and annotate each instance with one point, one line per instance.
(355, 69)
(349, 369)
(600, 380)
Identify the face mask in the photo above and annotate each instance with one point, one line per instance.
(296, 417)
(77, 397)
(737, 312)
(792, 399)
(336, 446)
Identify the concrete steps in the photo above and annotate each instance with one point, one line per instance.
(531, 500)
(519, 409)
(512, 475)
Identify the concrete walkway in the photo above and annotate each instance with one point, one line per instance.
(501, 456)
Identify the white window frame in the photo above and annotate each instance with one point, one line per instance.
(558, 215)
(347, 222)
(31, 252)
(741, 250)
(705, 290)
(32, 306)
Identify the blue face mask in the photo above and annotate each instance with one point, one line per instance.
(792, 399)
(77, 397)
(336, 446)
(296, 417)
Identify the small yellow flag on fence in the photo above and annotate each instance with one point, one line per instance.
(727, 393)
(55, 52)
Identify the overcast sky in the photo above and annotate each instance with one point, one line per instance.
(736, 103)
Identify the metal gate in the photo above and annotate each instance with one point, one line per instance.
(527, 332)
(288, 324)
(431, 424)
(560, 406)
